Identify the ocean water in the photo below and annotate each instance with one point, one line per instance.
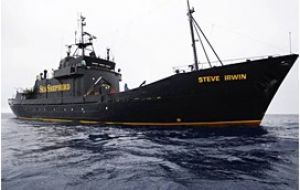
(41, 156)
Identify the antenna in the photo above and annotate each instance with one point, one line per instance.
(290, 38)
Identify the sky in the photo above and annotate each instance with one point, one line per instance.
(147, 38)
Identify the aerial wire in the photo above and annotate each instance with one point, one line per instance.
(204, 50)
(198, 26)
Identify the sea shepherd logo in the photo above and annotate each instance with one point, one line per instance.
(54, 88)
(218, 78)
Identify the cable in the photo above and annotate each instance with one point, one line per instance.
(207, 41)
(207, 58)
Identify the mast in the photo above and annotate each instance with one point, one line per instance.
(82, 24)
(190, 12)
(85, 40)
(194, 26)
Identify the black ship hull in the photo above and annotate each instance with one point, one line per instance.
(237, 94)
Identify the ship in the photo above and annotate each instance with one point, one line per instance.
(85, 89)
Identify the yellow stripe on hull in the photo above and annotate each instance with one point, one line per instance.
(250, 123)
(88, 122)
(47, 119)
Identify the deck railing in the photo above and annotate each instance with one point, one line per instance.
(205, 65)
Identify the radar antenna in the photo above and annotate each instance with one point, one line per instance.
(82, 43)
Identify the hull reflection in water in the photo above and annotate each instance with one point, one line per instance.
(39, 155)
